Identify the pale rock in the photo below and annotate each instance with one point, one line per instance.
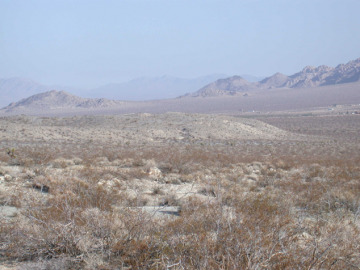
(8, 211)
(8, 177)
(253, 177)
(155, 172)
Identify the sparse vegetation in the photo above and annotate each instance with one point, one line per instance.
(251, 204)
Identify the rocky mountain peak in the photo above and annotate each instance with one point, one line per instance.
(313, 70)
(309, 76)
(308, 69)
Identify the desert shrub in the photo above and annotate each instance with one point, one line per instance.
(297, 213)
(29, 156)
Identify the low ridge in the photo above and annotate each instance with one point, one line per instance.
(59, 99)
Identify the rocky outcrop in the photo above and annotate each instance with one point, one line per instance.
(308, 77)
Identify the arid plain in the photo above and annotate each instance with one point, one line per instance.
(237, 175)
(179, 135)
(181, 191)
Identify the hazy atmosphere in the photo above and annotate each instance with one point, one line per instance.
(90, 43)
(189, 134)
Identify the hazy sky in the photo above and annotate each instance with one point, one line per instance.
(88, 43)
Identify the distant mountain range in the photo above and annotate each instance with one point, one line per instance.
(151, 88)
(314, 86)
(14, 89)
(164, 87)
(308, 77)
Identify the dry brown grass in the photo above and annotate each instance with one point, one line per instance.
(241, 208)
(291, 216)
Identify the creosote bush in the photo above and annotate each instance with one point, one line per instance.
(280, 213)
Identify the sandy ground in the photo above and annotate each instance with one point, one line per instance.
(154, 187)
(138, 129)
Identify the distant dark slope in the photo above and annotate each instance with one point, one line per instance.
(308, 77)
(55, 100)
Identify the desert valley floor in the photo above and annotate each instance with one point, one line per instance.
(181, 191)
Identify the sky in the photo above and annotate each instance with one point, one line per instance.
(87, 43)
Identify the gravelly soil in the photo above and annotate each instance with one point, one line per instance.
(139, 128)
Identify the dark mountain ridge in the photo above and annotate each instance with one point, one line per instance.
(308, 77)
